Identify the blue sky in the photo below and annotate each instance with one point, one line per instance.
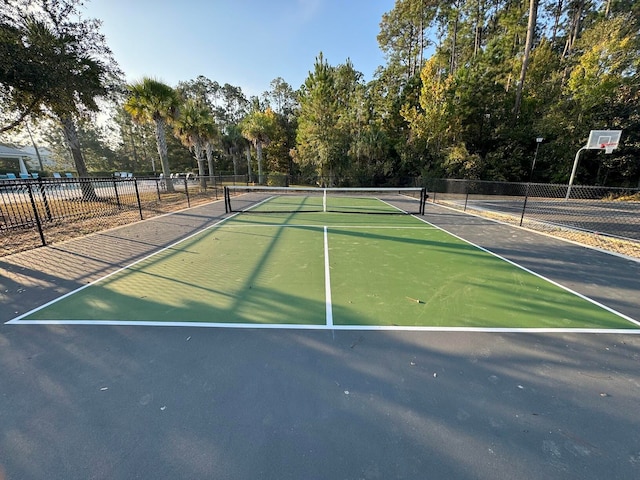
(245, 43)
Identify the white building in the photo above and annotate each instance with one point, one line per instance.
(19, 156)
(48, 163)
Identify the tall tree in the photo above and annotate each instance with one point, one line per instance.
(151, 101)
(234, 144)
(318, 130)
(23, 79)
(68, 65)
(432, 120)
(531, 30)
(195, 127)
(136, 142)
(403, 32)
(575, 12)
(282, 100)
(258, 127)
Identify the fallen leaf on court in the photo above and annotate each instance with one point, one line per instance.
(104, 388)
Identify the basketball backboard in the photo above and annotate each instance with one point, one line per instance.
(604, 140)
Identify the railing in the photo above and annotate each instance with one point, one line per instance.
(605, 217)
(35, 212)
(594, 209)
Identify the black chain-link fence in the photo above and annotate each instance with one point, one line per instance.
(602, 216)
(42, 211)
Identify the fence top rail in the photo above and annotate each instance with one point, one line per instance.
(74, 179)
(550, 185)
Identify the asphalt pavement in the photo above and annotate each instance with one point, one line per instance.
(125, 402)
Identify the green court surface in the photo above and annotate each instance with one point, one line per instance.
(328, 270)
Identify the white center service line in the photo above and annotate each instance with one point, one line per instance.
(327, 281)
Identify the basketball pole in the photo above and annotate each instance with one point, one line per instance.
(573, 172)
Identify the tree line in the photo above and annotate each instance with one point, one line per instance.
(467, 88)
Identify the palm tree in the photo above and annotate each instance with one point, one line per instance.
(233, 143)
(257, 127)
(208, 148)
(151, 101)
(195, 127)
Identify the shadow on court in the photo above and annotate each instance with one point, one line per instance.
(30, 279)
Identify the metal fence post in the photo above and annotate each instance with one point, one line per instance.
(35, 214)
(466, 198)
(135, 185)
(115, 188)
(45, 201)
(524, 206)
(186, 189)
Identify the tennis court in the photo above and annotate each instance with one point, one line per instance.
(329, 259)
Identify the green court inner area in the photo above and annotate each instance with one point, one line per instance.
(329, 270)
(310, 203)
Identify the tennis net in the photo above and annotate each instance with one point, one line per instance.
(262, 199)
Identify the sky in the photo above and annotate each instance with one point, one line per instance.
(246, 43)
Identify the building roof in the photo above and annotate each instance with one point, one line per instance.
(31, 151)
(10, 152)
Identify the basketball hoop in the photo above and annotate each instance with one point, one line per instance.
(606, 140)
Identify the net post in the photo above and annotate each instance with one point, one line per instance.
(227, 201)
(423, 199)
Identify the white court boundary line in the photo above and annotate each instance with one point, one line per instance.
(320, 327)
(329, 325)
(327, 281)
(319, 227)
